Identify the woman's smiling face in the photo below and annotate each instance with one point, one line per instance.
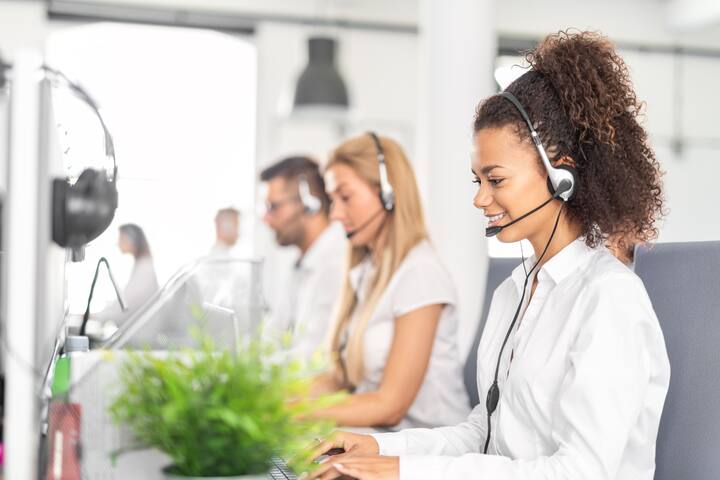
(511, 182)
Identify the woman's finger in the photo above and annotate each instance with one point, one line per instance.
(352, 472)
(331, 474)
(319, 471)
(323, 447)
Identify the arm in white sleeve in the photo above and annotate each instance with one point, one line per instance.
(597, 405)
(466, 437)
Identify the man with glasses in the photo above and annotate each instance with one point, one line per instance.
(297, 209)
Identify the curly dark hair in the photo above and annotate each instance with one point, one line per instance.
(580, 98)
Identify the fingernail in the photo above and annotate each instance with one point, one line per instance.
(340, 466)
(323, 460)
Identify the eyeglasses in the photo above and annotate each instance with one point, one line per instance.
(271, 207)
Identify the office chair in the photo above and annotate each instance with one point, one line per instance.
(683, 281)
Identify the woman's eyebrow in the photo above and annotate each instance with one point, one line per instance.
(488, 168)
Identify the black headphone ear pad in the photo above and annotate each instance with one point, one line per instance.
(575, 180)
(59, 200)
(81, 212)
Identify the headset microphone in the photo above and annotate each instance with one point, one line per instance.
(362, 227)
(562, 188)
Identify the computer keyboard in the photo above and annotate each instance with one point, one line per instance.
(280, 470)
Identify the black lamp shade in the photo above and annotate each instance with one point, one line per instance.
(320, 83)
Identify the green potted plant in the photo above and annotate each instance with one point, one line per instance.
(219, 413)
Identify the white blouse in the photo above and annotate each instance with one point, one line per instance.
(420, 280)
(583, 394)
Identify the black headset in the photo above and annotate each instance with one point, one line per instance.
(81, 211)
(387, 194)
(562, 184)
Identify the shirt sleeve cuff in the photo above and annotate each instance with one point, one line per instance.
(391, 444)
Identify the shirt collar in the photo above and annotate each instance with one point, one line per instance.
(566, 261)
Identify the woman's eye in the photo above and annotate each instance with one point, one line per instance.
(495, 181)
(476, 181)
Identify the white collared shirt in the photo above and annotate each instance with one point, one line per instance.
(583, 395)
(312, 291)
(420, 280)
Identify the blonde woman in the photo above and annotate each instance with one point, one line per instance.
(394, 339)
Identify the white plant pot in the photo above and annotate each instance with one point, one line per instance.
(172, 476)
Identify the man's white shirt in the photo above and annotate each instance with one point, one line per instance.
(312, 290)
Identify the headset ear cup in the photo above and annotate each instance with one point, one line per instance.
(81, 212)
(388, 200)
(575, 181)
(312, 205)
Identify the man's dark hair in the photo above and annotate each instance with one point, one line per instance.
(292, 168)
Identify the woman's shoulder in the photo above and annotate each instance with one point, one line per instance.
(421, 279)
(604, 269)
(610, 285)
(422, 257)
(423, 266)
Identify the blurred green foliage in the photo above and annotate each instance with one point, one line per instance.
(219, 412)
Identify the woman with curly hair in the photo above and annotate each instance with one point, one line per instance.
(572, 362)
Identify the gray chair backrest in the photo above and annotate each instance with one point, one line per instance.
(498, 270)
(683, 281)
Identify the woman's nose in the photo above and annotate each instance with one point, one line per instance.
(483, 198)
(336, 211)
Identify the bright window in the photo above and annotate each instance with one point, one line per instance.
(181, 104)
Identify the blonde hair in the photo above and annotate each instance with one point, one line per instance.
(405, 227)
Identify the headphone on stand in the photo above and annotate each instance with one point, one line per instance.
(562, 184)
(81, 211)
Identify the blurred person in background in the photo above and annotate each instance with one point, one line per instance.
(297, 211)
(394, 341)
(227, 231)
(142, 283)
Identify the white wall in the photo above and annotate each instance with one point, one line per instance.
(692, 173)
(641, 21)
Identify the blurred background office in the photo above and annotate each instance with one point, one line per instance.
(203, 95)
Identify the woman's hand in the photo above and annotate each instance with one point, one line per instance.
(352, 443)
(362, 468)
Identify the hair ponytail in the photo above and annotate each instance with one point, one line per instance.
(592, 83)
